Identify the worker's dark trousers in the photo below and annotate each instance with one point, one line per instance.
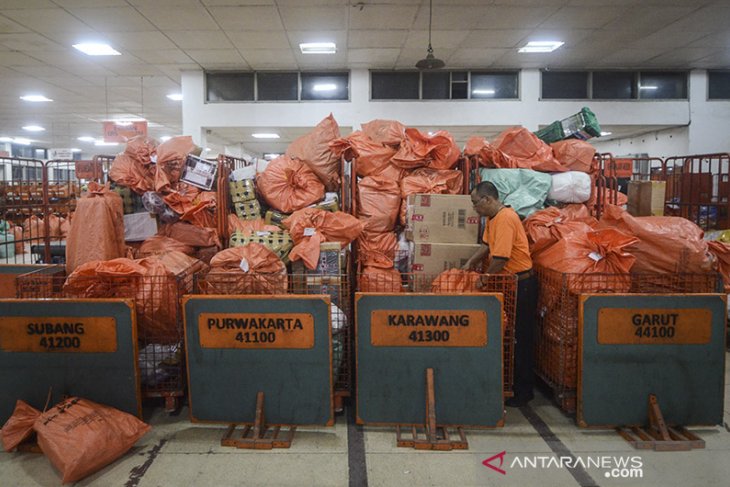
(524, 379)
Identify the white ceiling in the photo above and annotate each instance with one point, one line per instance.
(159, 38)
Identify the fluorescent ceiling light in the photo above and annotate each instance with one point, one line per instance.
(603, 134)
(175, 96)
(97, 49)
(482, 92)
(22, 141)
(318, 47)
(265, 136)
(101, 143)
(324, 87)
(35, 98)
(6, 139)
(34, 128)
(271, 156)
(86, 138)
(75, 150)
(541, 46)
(165, 138)
(648, 87)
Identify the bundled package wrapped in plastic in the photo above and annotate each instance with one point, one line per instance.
(80, 437)
(97, 230)
(251, 269)
(289, 185)
(580, 254)
(379, 201)
(314, 151)
(665, 244)
(522, 189)
(311, 227)
(278, 241)
(570, 187)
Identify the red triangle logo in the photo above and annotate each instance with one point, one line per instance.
(488, 462)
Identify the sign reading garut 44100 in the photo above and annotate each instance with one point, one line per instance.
(428, 328)
(639, 326)
(67, 334)
(259, 330)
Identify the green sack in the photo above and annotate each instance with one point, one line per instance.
(524, 190)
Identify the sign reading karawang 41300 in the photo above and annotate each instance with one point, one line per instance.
(428, 328)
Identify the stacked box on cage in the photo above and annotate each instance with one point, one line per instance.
(558, 317)
(278, 242)
(243, 197)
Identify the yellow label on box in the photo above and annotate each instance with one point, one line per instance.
(428, 328)
(256, 330)
(54, 334)
(638, 326)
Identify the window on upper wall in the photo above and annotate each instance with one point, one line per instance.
(325, 86)
(718, 85)
(564, 85)
(444, 85)
(229, 86)
(277, 86)
(665, 85)
(395, 85)
(494, 85)
(614, 85)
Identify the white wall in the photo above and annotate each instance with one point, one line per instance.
(708, 121)
(664, 143)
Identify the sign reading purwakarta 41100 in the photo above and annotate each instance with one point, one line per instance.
(258, 331)
(428, 328)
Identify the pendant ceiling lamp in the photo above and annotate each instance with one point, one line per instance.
(430, 62)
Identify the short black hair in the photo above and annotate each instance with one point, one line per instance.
(487, 188)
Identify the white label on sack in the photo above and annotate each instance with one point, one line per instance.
(595, 256)
(263, 234)
(309, 231)
(244, 265)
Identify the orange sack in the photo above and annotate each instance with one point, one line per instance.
(80, 437)
(377, 249)
(314, 151)
(311, 227)
(429, 181)
(574, 154)
(133, 168)
(580, 254)
(19, 426)
(666, 244)
(388, 132)
(97, 230)
(159, 244)
(721, 251)
(545, 227)
(251, 269)
(249, 227)
(515, 148)
(456, 281)
(378, 203)
(379, 280)
(289, 185)
(191, 235)
(372, 157)
(438, 151)
(171, 156)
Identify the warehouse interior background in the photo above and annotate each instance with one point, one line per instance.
(652, 71)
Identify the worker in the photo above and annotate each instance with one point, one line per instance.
(505, 241)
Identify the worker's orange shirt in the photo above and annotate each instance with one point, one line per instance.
(506, 238)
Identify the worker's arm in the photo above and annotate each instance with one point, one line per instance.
(477, 258)
(496, 265)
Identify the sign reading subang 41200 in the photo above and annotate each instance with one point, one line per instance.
(260, 330)
(66, 334)
(428, 328)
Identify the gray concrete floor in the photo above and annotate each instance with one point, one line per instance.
(179, 453)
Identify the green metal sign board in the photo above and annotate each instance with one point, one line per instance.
(399, 336)
(10, 272)
(84, 348)
(238, 346)
(634, 345)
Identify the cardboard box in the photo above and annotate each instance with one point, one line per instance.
(646, 198)
(441, 218)
(431, 259)
(139, 226)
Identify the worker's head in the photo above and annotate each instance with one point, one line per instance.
(485, 199)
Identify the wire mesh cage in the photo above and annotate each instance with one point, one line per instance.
(392, 281)
(336, 286)
(157, 300)
(558, 315)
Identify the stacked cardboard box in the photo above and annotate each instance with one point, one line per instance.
(646, 198)
(445, 232)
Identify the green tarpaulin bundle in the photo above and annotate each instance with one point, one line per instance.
(583, 125)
